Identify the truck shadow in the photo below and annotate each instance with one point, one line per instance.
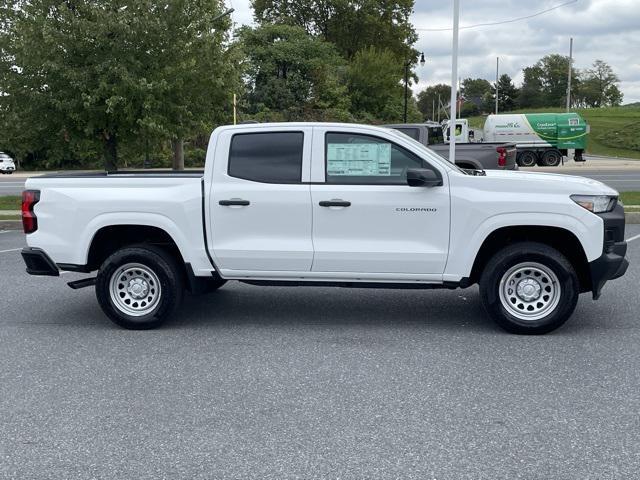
(237, 304)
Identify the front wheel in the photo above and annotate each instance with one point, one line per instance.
(139, 287)
(529, 288)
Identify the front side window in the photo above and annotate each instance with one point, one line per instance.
(435, 136)
(364, 159)
(274, 157)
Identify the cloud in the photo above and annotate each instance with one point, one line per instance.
(602, 29)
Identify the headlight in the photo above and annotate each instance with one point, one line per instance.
(595, 203)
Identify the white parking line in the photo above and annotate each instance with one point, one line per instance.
(636, 237)
(10, 250)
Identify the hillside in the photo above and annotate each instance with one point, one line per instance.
(615, 131)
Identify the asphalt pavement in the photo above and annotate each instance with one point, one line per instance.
(280, 383)
(621, 180)
(11, 185)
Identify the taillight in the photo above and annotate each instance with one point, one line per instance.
(502, 156)
(29, 219)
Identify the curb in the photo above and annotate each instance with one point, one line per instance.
(10, 224)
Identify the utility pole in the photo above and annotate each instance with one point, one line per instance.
(433, 109)
(454, 85)
(569, 75)
(497, 68)
(439, 106)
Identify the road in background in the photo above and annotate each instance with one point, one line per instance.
(622, 180)
(279, 383)
(11, 185)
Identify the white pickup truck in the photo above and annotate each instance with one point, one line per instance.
(327, 205)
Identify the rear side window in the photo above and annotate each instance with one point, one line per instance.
(411, 132)
(267, 157)
(435, 136)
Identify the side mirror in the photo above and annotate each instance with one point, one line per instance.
(423, 177)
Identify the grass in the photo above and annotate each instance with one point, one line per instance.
(615, 131)
(630, 198)
(10, 217)
(10, 202)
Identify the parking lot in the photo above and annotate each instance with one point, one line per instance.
(255, 382)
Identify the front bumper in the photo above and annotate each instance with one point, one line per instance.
(612, 263)
(39, 263)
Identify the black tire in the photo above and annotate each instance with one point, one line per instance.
(551, 158)
(155, 262)
(528, 158)
(543, 261)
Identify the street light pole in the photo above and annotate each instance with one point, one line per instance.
(408, 64)
(497, 68)
(454, 84)
(569, 75)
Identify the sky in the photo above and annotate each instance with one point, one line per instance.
(608, 30)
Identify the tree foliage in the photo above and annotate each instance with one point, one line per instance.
(374, 88)
(292, 75)
(598, 87)
(94, 74)
(351, 25)
(430, 96)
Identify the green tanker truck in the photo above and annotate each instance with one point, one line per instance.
(540, 138)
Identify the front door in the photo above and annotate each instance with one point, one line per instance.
(260, 207)
(366, 219)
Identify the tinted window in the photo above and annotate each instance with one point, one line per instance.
(363, 159)
(435, 136)
(412, 132)
(267, 157)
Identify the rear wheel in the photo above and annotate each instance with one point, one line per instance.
(529, 288)
(528, 158)
(551, 158)
(139, 287)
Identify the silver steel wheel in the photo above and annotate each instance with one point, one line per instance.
(135, 289)
(529, 291)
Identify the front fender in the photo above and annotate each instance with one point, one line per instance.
(467, 239)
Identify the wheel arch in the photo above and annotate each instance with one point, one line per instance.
(469, 164)
(110, 238)
(559, 238)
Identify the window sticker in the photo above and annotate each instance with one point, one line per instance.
(359, 159)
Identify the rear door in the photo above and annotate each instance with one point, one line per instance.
(260, 207)
(366, 219)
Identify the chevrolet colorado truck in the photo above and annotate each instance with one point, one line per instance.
(471, 156)
(319, 204)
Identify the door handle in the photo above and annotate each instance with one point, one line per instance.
(336, 202)
(234, 201)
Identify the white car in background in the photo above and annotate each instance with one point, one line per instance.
(6, 164)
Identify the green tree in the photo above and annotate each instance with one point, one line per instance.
(104, 73)
(545, 83)
(375, 92)
(507, 95)
(351, 25)
(598, 87)
(292, 75)
(474, 89)
(429, 97)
